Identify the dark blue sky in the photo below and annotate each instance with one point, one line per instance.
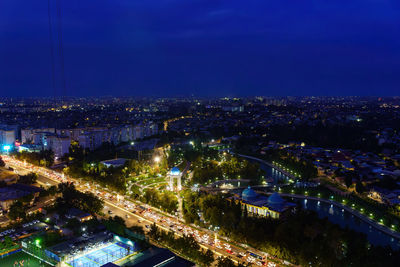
(204, 47)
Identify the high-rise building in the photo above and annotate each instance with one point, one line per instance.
(7, 137)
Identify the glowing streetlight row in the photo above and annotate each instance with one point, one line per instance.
(286, 169)
(353, 206)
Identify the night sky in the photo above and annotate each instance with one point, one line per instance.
(202, 47)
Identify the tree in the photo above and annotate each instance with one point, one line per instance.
(348, 179)
(154, 231)
(27, 199)
(2, 163)
(17, 211)
(208, 258)
(360, 187)
(74, 225)
(30, 178)
(225, 262)
(73, 198)
(116, 225)
(8, 242)
(52, 190)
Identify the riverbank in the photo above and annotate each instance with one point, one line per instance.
(362, 217)
(292, 176)
(391, 231)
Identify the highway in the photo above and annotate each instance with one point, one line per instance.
(136, 213)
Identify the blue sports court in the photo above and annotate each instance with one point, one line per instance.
(102, 256)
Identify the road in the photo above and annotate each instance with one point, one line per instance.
(136, 213)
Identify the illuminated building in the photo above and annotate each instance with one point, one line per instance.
(7, 137)
(175, 173)
(273, 206)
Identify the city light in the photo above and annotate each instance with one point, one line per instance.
(198, 163)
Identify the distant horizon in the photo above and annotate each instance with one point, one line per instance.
(205, 97)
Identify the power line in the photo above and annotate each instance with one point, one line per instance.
(61, 49)
(53, 78)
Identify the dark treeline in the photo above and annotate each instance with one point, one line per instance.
(228, 167)
(304, 167)
(185, 245)
(86, 164)
(349, 136)
(43, 158)
(209, 164)
(70, 197)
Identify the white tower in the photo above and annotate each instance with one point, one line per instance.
(175, 173)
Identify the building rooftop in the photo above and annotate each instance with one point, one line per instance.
(16, 191)
(274, 201)
(114, 162)
(249, 194)
(175, 171)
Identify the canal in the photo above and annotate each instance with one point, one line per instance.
(346, 219)
(335, 214)
(273, 174)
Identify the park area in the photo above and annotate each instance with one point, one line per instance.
(20, 259)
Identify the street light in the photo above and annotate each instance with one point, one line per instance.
(157, 159)
(37, 243)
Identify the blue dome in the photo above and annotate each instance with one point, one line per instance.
(275, 200)
(175, 171)
(249, 194)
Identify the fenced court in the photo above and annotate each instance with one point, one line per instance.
(101, 256)
(22, 259)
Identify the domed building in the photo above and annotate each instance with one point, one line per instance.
(273, 206)
(249, 194)
(175, 171)
(275, 201)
